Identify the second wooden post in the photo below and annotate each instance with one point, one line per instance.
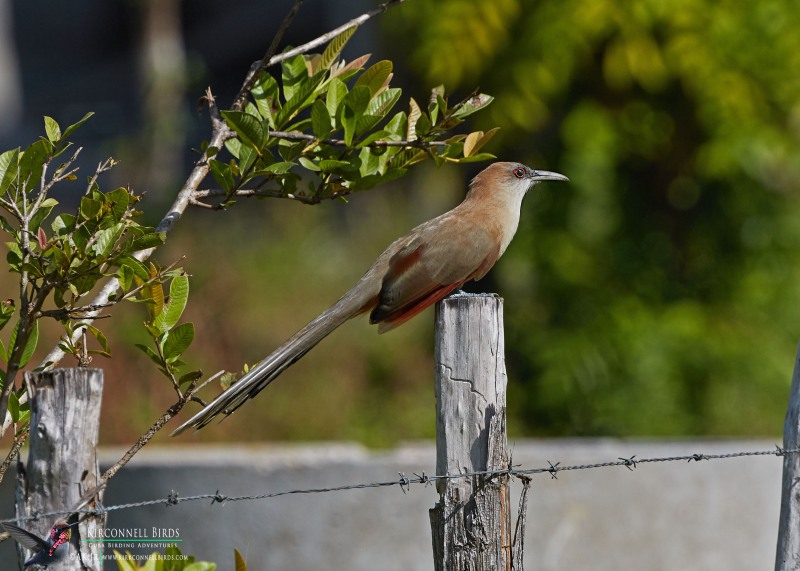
(471, 523)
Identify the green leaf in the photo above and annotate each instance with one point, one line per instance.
(375, 77)
(377, 109)
(303, 95)
(382, 103)
(334, 48)
(477, 158)
(85, 281)
(437, 103)
(125, 276)
(24, 413)
(31, 163)
(106, 239)
(43, 212)
(90, 208)
(265, 94)
(366, 123)
(178, 341)
(290, 150)
(333, 165)
(9, 161)
(3, 353)
(178, 296)
(280, 167)
(233, 146)
(6, 311)
(63, 224)
(71, 129)
(247, 159)
(407, 157)
(336, 92)
(309, 164)
(247, 127)
(14, 256)
(118, 200)
(349, 121)
(397, 126)
(353, 106)
(357, 100)
(52, 129)
(30, 346)
(150, 353)
(137, 267)
(370, 163)
(423, 126)
(81, 237)
(13, 406)
(101, 339)
(222, 174)
(293, 72)
(471, 105)
(320, 120)
(381, 135)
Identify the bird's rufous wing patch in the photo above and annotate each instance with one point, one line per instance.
(416, 280)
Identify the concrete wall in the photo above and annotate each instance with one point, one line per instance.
(710, 515)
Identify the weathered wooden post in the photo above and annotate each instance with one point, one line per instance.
(471, 523)
(788, 553)
(62, 456)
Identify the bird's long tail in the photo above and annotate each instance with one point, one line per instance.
(350, 305)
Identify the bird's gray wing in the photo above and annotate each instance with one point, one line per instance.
(25, 537)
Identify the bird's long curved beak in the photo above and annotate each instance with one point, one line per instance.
(547, 175)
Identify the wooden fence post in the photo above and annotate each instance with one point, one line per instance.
(471, 523)
(62, 457)
(788, 552)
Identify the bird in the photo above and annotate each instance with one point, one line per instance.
(52, 549)
(414, 272)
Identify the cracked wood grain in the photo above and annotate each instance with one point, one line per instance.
(471, 524)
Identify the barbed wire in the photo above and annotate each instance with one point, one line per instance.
(405, 483)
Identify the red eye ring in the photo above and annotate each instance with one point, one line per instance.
(519, 172)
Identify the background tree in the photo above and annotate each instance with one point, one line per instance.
(658, 294)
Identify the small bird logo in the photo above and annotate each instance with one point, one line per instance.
(45, 551)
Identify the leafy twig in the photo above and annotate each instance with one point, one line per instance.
(220, 133)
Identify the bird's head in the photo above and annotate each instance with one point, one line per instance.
(59, 527)
(514, 177)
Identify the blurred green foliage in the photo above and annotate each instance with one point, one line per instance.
(658, 293)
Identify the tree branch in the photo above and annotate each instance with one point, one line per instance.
(325, 38)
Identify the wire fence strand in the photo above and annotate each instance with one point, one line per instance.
(404, 482)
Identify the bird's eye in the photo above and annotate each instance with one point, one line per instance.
(519, 172)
